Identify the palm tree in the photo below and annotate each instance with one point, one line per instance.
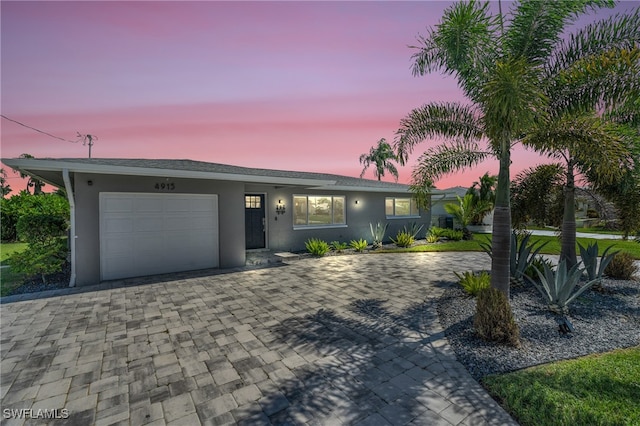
(586, 91)
(500, 67)
(466, 210)
(381, 156)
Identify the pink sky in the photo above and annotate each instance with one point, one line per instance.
(288, 85)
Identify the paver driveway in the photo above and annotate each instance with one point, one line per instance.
(338, 340)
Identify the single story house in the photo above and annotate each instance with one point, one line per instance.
(136, 217)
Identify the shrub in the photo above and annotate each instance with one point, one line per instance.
(621, 267)
(338, 246)
(317, 247)
(589, 256)
(473, 283)
(494, 320)
(403, 239)
(437, 232)
(359, 245)
(41, 228)
(592, 214)
(378, 233)
(413, 229)
(40, 259)
(560, 288)
(432, 238)
(453, 234)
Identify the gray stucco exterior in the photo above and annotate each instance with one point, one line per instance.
(90, 178)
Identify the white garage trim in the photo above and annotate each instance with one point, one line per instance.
(148, 233)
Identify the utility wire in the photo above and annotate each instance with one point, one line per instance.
(38, 130)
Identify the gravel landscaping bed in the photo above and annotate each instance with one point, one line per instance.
(53, 282)
(602, 322)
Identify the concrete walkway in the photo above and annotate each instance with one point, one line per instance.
(351, 339)
(551, 233)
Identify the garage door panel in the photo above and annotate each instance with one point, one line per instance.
(145, 234)
(148, 204)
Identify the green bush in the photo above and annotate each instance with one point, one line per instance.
(473, 283)
(432, 238)
(40, 259)
(40, 228)
(359, 245)
(438, 232)
(24, 204)
(317, 247)
(621, 267)
(403, 239)
(338, 246)
(454, 234)
(494, 320)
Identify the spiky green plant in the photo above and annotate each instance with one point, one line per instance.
(521, 255)
(338, 246)
(473, 282)
(561, 287)
(317, 247)
(378, 233)
(359, 245)
(403, 239)
(589, 256)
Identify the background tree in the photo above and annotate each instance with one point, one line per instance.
(32, 182)
(500, 68)
(484, 195)
(536, 196)
(465, 210)
(382, 155)
(5, 188)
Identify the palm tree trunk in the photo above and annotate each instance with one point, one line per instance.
(568, 244)
(501, 237)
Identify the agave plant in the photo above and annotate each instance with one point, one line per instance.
(378, 233)
(521, 256)
(413, 229)
(589, 256)
(561, 287)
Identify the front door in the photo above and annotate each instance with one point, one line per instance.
(254, 221)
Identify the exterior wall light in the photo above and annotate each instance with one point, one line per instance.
(280, 208)
(356, 201)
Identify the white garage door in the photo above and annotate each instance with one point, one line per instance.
(146, 234)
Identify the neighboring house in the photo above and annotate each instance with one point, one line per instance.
(442, 219)
(136, 217)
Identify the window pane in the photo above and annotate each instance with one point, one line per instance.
(338, 210)
(388, 206)
(299, 210)
(414, 208)
(403, 206)
(319, 210)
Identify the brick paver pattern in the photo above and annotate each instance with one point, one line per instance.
(351, 339)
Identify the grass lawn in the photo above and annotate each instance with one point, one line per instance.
(9, 280)
(552, 246)
(601, 389)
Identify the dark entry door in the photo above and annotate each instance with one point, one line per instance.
(254, 221)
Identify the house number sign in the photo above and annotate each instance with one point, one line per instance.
(161, 186)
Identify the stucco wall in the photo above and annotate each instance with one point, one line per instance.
(281, 235)
(230, 216)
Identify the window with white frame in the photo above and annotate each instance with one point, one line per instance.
(401, 207)
(322, 210)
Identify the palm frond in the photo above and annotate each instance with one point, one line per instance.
(462, 43)
(447, 158)
(616, 32)
(447, 120)
(604, 81)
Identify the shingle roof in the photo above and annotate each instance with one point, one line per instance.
(201, 167)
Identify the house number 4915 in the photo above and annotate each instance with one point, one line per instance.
(165, 186)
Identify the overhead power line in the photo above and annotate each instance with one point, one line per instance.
(86, 139)
(37, 130)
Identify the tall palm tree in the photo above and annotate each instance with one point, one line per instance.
(500, 67)
(381, 156)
